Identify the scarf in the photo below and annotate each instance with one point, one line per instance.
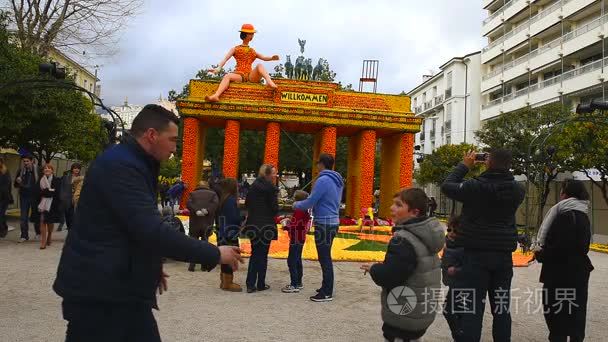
(562, 206)
(45, 202)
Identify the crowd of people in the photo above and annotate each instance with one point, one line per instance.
(112, 261)
(45, 199)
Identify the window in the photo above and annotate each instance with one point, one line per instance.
(423, 97)
(449, 81)
(448, 139)
(434, 91)
(448, 112)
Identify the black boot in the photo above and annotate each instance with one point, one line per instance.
(191, 267)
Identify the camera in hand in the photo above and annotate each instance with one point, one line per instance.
(481, 156)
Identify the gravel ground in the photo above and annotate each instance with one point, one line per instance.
(194, 309)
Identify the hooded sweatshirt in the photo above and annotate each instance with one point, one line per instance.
(325, 198)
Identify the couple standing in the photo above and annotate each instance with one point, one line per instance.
(262, 207)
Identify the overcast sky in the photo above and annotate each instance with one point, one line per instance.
(169, 41)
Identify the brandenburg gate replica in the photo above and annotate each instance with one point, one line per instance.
(318, 108)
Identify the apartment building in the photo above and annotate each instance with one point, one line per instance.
(449, 102)
(541, 52)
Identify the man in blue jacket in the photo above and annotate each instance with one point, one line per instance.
(325, 203)
(111, 267)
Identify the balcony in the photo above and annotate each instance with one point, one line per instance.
(438, 100)
(569, 81)
(428, 105)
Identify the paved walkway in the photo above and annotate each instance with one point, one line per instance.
(195, 309)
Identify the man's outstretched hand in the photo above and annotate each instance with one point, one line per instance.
(231, 255)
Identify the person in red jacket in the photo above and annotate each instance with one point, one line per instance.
(296, 228)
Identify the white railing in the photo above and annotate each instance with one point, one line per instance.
(584, 69)
(499, 11)
(522, 26)
(585, 28)
(545, 12)
(496, 71)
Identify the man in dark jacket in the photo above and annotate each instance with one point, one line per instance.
(262, 207)
(26, 180)
(110, 267)
(489, 236)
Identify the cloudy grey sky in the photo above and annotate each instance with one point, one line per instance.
(170, 40)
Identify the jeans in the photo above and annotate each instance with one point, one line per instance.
(483, 272)
(324, 238)
(27, 202)
(3, 224)
(258, 263)
(117, 322)
(294, 262)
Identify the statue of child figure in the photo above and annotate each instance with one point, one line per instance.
(245, 56)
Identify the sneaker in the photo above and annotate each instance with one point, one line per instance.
(319, 297)
(22, 240)
(37, 238)
(300, 286)
(290, 289)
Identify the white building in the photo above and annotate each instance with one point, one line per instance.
(541, 52)
(127, 112)
(449, 102)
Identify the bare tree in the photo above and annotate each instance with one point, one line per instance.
(72, 26)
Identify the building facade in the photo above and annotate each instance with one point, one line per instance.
(82, 76)
(449, 103)
(541, 52)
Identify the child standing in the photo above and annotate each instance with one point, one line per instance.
(411, 272)
(451, 262)
(297, 228)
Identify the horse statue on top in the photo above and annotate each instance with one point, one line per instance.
(289, 68)
(318, 70)
(308, 64)
(300, 68)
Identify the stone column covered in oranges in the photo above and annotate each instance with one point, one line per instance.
(192, 154)
(273, 141)
(396, 171)
(231, 149)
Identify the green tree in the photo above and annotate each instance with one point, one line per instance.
(525, 134)
(435, 167)
(45, 121)
(584, 146)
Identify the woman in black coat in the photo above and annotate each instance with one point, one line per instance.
(563, 240)
(262, 208)
(50, 204)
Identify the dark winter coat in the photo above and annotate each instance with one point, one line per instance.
(202, 198)
(453, 256)
(229, 220)
(488, 212)
(6, 197)
(262, 207)
(114, 250)
(66, 191)
(564, 255)
(54, 214)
